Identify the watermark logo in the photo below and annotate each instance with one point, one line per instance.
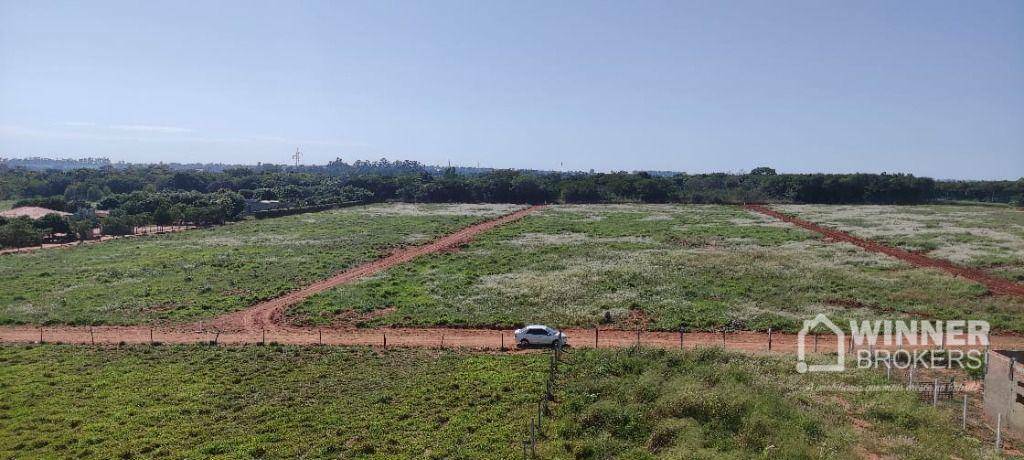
(899, 344)
(801, 346)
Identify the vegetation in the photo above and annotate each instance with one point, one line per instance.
(338, 402)
(410, 181)
(702, 266)
(263, 402)
(989, 237)
(707, 403)
(201, 273)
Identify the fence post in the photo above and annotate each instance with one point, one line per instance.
(40, 336)
(216, 338)
(533, 438)
(501, 335)
(963, 417)
(888, 369)
(935, 393)
(638, 336)
(769, 339)
(386, 341)
(321, 332)
(680, 337)
(263, 339)
(910, 376)
(92, 338)
(596, 329)
(151, 336)
(442, 341)
(815, 341)
(999, 430)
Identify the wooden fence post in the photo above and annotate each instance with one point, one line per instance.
(769, 339)
(151, 336)
(596, 329)
(386, 340)
(92, 338)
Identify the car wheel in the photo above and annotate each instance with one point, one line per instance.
(524, 343)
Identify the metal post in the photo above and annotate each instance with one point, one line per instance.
(92, 338)
(999, 430)
(680, 338)
(888, 369)
(769, 339)
(321, 332)
(150, 336)
(442, 341)
(40, 335)
(963, 417)
(935, 393)
(386, 341)
(595, 335)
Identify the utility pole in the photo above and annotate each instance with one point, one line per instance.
(297, 156)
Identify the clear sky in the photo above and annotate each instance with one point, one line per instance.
(933, 88)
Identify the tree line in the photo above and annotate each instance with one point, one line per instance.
(136, 195)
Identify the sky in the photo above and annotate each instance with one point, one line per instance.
(931, 88)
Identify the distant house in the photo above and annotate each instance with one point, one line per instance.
(32, 212)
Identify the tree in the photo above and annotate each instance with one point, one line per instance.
(19, 233)
(763, 171)
(52, 223)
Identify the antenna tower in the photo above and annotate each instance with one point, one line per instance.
(297, 157)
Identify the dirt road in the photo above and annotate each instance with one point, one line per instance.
(481, 339)
(993, 283)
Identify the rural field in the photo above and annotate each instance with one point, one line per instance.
(990, 237)
(352, 402)
(703, 266)
(202, 273)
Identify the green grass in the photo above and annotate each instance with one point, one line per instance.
(202, 273)
(6, 204)
(707, 267)
(988, 237)
(263, 402)
(653, 404)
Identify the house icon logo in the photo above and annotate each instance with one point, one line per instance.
(801, 347)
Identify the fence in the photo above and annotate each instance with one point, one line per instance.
(535, 430)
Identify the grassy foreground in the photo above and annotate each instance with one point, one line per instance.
(704, 266)
(202, 273)
(335, 402)
(654, 404)
(262, 402)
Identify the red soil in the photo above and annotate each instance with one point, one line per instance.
(994, 284)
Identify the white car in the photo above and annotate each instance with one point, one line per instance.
(537, 334)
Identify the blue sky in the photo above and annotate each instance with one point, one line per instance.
(933, 88)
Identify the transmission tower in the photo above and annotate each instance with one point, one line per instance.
(298, 157)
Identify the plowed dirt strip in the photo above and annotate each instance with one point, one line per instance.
(269, 315)
(994, 284)
(480, 339)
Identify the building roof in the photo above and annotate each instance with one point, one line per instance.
(32, 212)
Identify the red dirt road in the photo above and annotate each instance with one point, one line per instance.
(994, 284)
(480, 339)
(269, 315)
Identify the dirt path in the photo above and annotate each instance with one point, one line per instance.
(269, 315)
(481, 339)
(993, 283)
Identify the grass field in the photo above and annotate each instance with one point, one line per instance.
(704, 266)
(6, 204)
(989, 237)
(712, 404)
(335, 402)
(263, 402)
(201, 273)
